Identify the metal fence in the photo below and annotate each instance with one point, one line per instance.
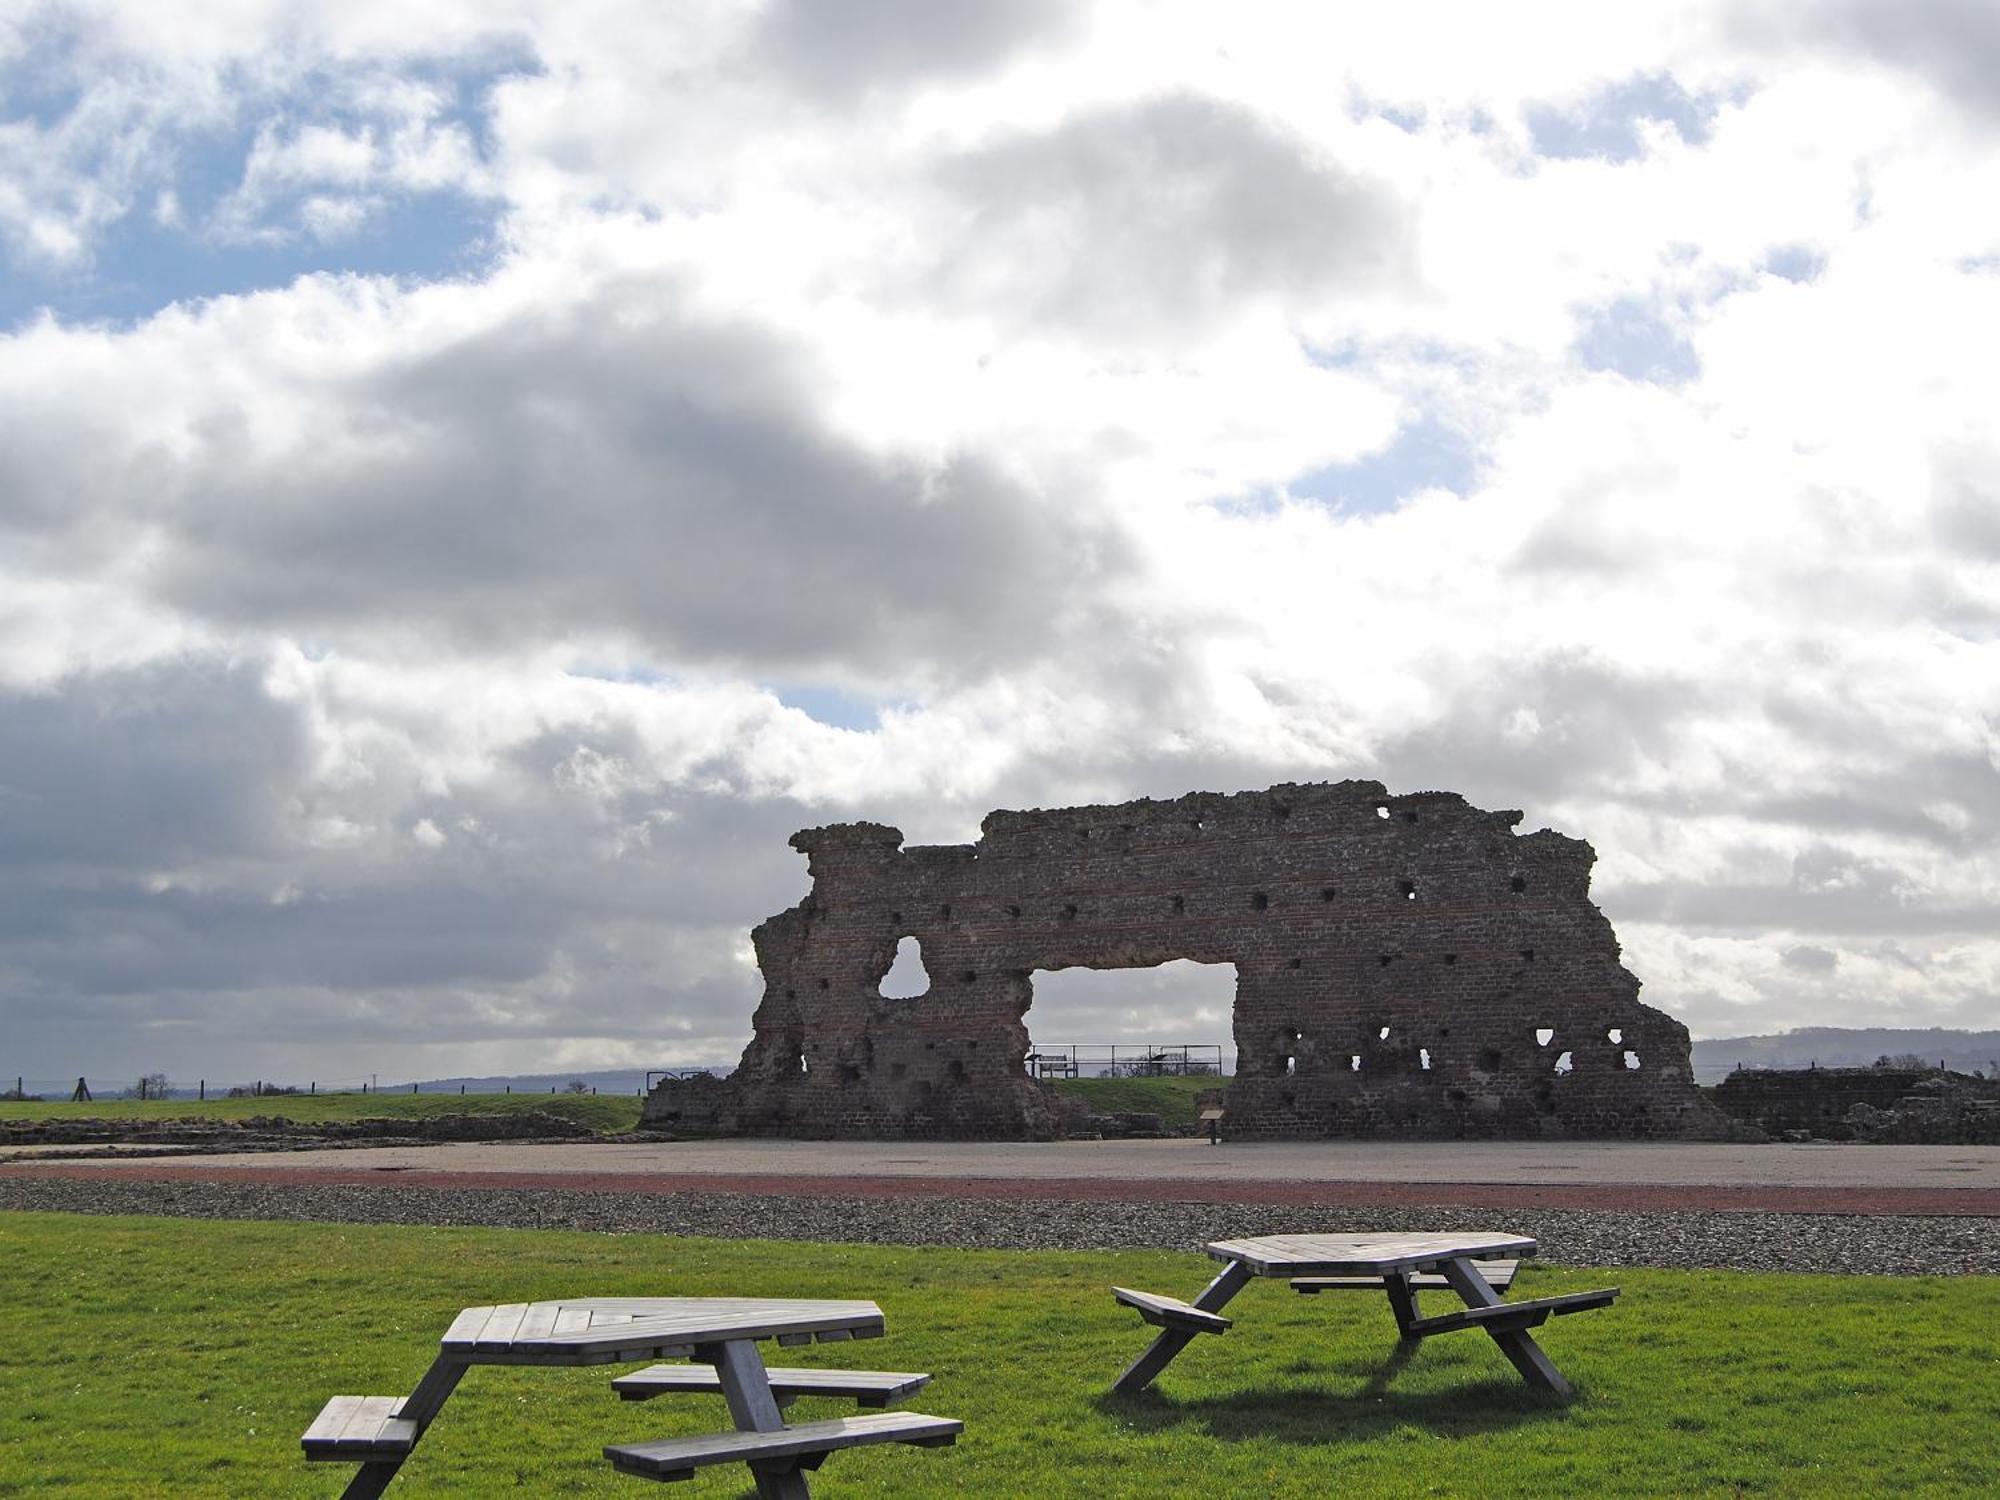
(1124, 1060)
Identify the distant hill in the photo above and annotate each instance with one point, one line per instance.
(1846, 1047)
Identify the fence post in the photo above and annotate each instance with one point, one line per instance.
(510, 1088)
(413, 1088)
(313, 1087)
(202, 1092)
(461, 1088)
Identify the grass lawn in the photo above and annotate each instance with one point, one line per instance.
(604, 1112)
(1172, 1099)
(147, 1356)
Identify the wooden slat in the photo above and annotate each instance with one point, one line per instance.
(332, 1420)
(869, 1387)
(675, 1458)
(1499, 1275)
(1530, 1313)
(539, 1321)
(464, 1330)
(359, 1427)
(502, 1323)
(1363, 1254)
(1170, 1312)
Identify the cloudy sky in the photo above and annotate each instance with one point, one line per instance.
(475, 477)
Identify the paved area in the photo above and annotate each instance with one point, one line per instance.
(1954, 1180)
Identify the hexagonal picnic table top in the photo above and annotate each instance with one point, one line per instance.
(596, 1330)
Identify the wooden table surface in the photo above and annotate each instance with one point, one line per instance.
(1363, 1254)
(590, 1330)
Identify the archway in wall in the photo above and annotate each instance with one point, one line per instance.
(1079, 1015)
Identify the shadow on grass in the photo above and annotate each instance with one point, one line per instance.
(1295, 1416)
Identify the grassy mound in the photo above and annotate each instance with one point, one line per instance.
(1172, 1099)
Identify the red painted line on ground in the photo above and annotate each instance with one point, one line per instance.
(1974, 1202)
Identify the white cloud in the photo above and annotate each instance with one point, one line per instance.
(392, 661)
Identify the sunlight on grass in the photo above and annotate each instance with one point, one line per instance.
(153, 1356)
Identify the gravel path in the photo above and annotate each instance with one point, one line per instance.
(1876, 1244)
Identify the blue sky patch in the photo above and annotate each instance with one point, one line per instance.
(146, 258)
(1631, 338)
(831, 706)
(1425, 454)
(1795, 262)
(1606, 126)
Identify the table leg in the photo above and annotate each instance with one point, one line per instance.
(1402, 1300)
(1160, 1353)
(371, 1479)
(746, 1386)
(420, 1406)
(1516, 1343)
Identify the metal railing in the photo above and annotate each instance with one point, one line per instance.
(1124, 1060)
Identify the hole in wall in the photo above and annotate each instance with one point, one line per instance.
(1424, 1058)
(907, 977)
(955, 1070)
(1013, 911)
(1385, 959)
(826, 984)
(1490, 1060)
(896, 919)
(1354, 1062)
(1407, 889)
(1615, 1035)
(1291, 1064)
(1259, 900)
(1632, 1062)
(1409, 816)
(1565, 1064)
(1544, 1035)
(1083, 834)
(945, 911)
(1328, 892)
(1069, 912)
(968, 977)
(1518, 883)
(1381, 809)
(1451, 958)
(1527, 955)
(1295, 963)
(802, 1064)
(1179, 904)
(1137, 1009)
(1382, 1035)
(1196, 824)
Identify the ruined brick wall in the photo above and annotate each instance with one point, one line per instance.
(1405, 965)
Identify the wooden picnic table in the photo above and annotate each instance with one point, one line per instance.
(720, 1332)
(1473, 1265)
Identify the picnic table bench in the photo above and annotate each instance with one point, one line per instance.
(718, 1334)
(1474, 1266)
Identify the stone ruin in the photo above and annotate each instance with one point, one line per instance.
(1405, 965)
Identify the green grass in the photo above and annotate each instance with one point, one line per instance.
(159, 1356)
(1170, 1098)
(605, 1112)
